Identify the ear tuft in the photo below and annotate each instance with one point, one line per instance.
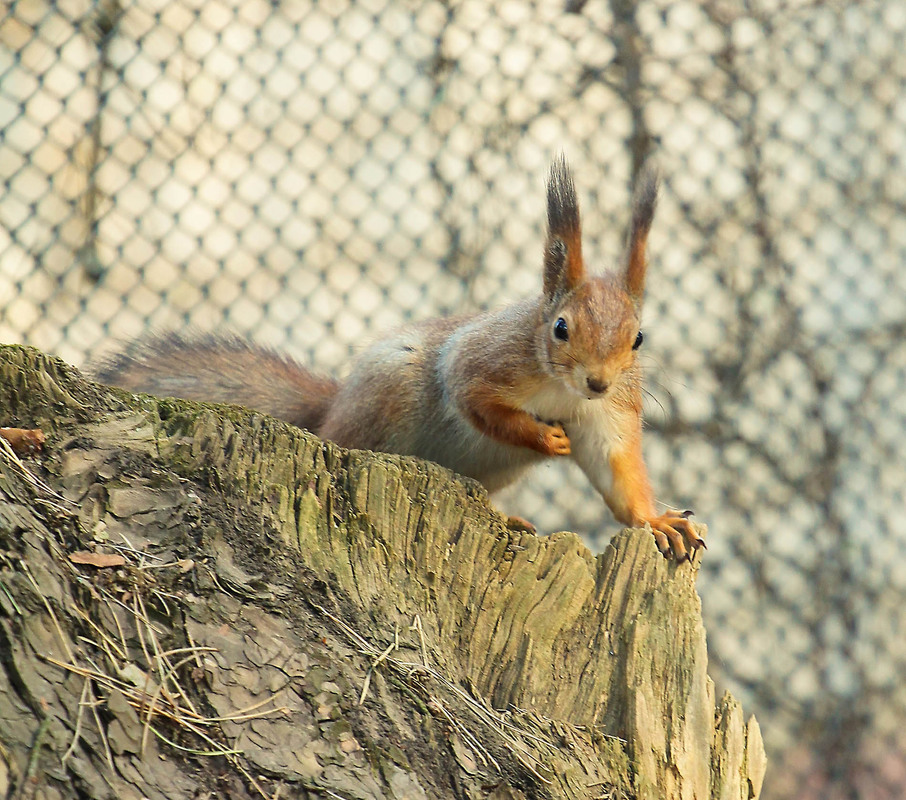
(644, 199)
(562, 204)
(563, 266)
(643, 205)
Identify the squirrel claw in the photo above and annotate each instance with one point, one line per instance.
(673, 533)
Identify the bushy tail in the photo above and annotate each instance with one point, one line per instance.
(221, 369)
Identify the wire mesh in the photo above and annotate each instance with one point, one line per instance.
(311, 174)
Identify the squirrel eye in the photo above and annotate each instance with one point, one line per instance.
(560, 329)
(638, 341)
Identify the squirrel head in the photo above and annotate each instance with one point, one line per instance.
(590, 335)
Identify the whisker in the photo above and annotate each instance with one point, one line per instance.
(657, 402)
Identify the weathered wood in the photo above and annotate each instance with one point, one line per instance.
(526, 667)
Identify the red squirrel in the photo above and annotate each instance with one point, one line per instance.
(487, 395)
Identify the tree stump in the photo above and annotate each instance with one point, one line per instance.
(204, 599)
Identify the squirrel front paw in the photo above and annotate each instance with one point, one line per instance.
(554, 441)
(673, 531)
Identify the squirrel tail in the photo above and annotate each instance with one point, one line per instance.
(221, 369)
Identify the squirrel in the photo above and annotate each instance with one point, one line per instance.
(487, 395)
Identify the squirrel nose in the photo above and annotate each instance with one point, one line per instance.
(598, 387)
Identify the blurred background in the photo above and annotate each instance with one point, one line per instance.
(309, 175)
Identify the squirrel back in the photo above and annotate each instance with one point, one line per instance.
(212, 368)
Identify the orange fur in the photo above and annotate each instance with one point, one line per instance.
(638, 264)
(632, 502)
(511, 425)
(575, 265)
(632, 499)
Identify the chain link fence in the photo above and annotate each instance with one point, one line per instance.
(311, 174)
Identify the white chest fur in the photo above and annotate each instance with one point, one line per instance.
(556, 402)
(593, 426)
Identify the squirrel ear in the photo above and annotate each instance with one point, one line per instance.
(643, 204)
(563, 265)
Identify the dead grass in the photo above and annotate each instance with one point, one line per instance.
(156, 688)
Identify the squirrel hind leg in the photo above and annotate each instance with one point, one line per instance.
(517, 523)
